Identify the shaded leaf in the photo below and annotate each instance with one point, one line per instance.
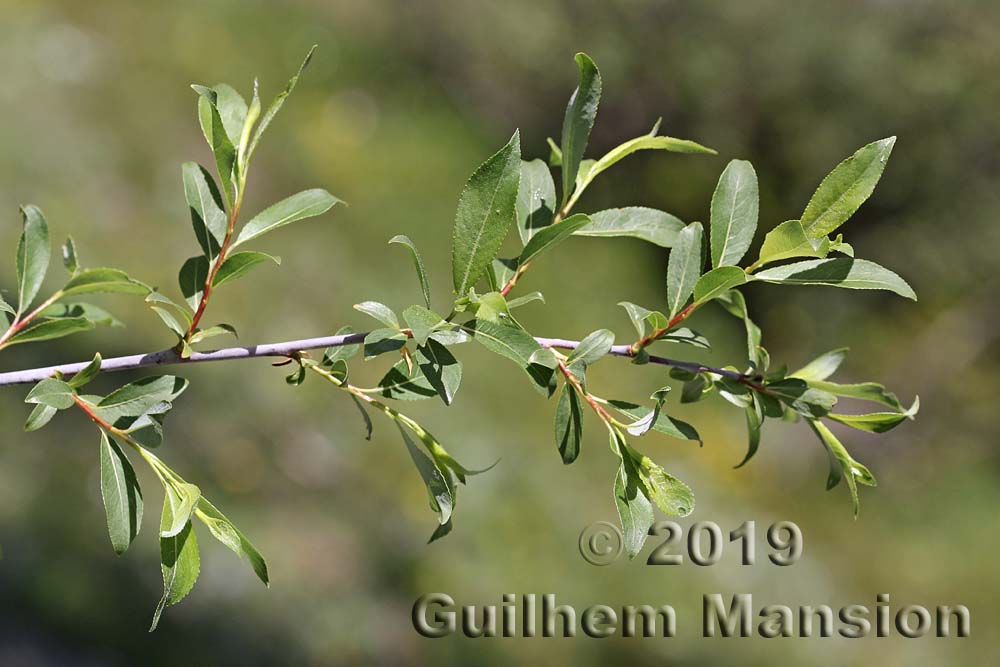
(440, 487)
(33, 252)
(842, 464)
(536, 199)
(381, 341)
(208, 215)
(877, 422)
(839, 272)
(684, 266)
(664, 423)
(40, 416)
(192, 278)
(418, 264)
(647, 224)
(518, 346)
(634, 507)
(179, 565)
(87, 374)
(70, 258)
(569, 424)
(121, 495)
(578, 121)
(548, 237)
(421, 322)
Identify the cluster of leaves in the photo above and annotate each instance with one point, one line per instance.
(505, 190)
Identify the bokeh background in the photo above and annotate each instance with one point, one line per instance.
(402, 101)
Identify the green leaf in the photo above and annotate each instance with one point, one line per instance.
(278, 102)
(421, 322)
(211, 332)
(684, 266)
(343, 352)
(418, 264)
(578, 121)
(52, 392)
(214, 129)
(379, 311)
(877, 422)
(735, 206)
(95, 314)
(696, 389)
(305, 204)
(839, 272)
(381, 341)
(807, 400)
(718, 281)
(842, 464)
(243, 145)
(789, 240)
(232, 109)
(103, 280)
(179, 565)
(526, 299)
(592, 348)
(70, 259)
(637, 314)
(845, 188)
(647, 224)
(208, 215)
(192, 278)
(40, 416)
(485, 211)
(822, 366)
(549, 237)
(440, 487)
(239, 263)
(755, 418)
(436, 372)
(139, 397)
(634, 507)
(536, 199)
(518, 346)
(663, 424)
(33, 252)
(87, 374)
(866, 391)
(671, 495)
(569, 424)
(121, 494)
(645, 142)
(687, 337)
(181, 500)
(6, 307)
(48, 329)
(226, 532)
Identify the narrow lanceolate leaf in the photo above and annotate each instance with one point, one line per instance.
(306, 204)
(536, 199)
(226, 532)
(6, 307)
(179, 500)
(789, 240)
(569, 424)
(418, 264)
(70, 259)
(684, 266)
(838, 272)
(671, 495)
(341, 352)
(842, 465)
(877, 422)
(717, 282)
(52, 392)
(278, 102)
(48, 329)
(735, 206)
(866, 391)
(179, 565)
(212, 332)
(39, 417)
(239, 263)
(88, 311)
(646, 142)
(755, 418)
(845, 189)
(647, 224)
(213, 127)
(379, 311)
(663, 424)
(192, 277)
(736, 305)
(822, 366)
(139, 397)
(578, 121)
(87, 374)
(592, 348)
(551, 236)
(208, 215)
(121, 494)
(634, 508)
(485, 211)
(33, 252)
(440, 486)
(104, 280)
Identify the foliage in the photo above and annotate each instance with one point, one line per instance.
(703, 268)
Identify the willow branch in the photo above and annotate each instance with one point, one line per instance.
(170, 357)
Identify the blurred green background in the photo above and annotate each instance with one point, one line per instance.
(402, 101)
